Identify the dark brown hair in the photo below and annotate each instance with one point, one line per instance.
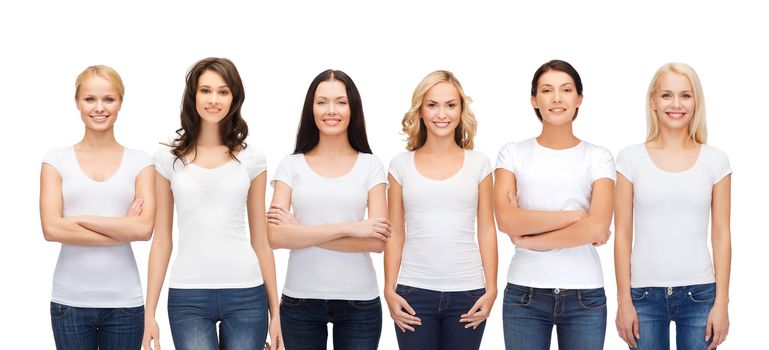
(561, 66)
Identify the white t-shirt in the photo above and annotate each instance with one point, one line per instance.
(556, 180)
(671, 212)
(97, 276)
(440, 252)
(214, 244)
(318, 273)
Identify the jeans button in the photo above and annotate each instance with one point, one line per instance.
(670, 290)
(557, 291)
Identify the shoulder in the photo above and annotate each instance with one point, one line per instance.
(138, 156)
(56, 157)
(476, 157)
(713, 152)
(252, 155)
(401, 158)
(163, 154)
(370, 159)
(596, 151)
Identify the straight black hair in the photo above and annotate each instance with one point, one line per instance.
(561, 66)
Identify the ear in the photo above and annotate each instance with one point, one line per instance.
(579, 101)
(534, 102)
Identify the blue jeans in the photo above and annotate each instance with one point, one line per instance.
(687, 306)
(529, 315)
(440, 313)
(83, 328)
(242, 313)
(357, 323)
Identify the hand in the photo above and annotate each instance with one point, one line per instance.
(151, 333)
(372, 228)
(627, 324)
(278, 215)
(480, 311)
(401, 312)
(513, 200)
(276, 337)
(136, 207)
(519, 241)
(718, 325)
(602, 239)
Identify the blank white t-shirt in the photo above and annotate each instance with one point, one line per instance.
(214, 243)
(97, 276)
(671, 212)
(440, 251)
(556, 180)
(318, 273)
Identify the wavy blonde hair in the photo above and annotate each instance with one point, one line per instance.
(104, 72)
(698, 130)
(413, 125)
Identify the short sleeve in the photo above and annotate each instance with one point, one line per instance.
(285, 172)
(484, 166)
(721, 166)
(603, 165)
(376, 173)
(505, 158)
(396, 167)
(625, 164)
(164, 162)
(53, 158)
(254, 161)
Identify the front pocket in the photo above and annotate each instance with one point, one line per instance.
(638, 294)
(133, 311)
(516, 296)
(475, 293)
(366, 304)
(286, 300)
(58, 311)
(592, 298)
(402, 290)
(703, 293)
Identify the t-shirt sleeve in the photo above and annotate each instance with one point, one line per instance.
(395, 169)
(376, 174)
(722, 167)
(285, 172)
(624, 164)
(603, 165)
(505, 158)
(164, 162)
(53, 158)
(255, 162)
(484, 166)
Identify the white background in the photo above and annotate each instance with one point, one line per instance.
(386, 48)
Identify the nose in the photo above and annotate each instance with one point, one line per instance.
(676, 102)
(332, 108)
(99, 105)
(442, 112)
(556, 95)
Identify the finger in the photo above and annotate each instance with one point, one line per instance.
(709, 331)
(405, 306)
(406, 318)
(405, 327)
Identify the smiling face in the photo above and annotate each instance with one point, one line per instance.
(213, 97)
(556, 98)
(98, 102)
(331, 108)
(673, 101)
(441, 110)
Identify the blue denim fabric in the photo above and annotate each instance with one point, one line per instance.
(687, 306)
(529, 315)
(440, 313)
(357, 323)
(242, 313)
(81, 328)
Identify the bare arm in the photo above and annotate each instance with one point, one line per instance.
(128, 228)
(721, 239)
(291, 235)
(592, 229)
(56, 228)
(377, 208)
(627, 318)
(517, 221)
(257, 223)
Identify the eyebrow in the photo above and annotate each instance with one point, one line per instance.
(434, 101)
(684, 91)
(209, 86)
(336, 98)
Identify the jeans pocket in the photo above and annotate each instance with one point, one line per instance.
(133, 311)
(638, 294)
(702, 293)
(58, 311)
(475, 293)
(516, 295)
(402, 290)
(592, 298)
(286, 300)
(366, 304)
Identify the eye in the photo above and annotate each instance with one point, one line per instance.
(224, 92)
(431, 105)
(89, 99)
(109, 99)
(205, 91)
(667, 96)
(686, 96)
(343, 103)
(452, 105)
(567, 90)
(320, 102)
(545, 91)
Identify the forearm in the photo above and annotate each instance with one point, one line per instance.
(487, 243)
(160, 255)
(296, 236)
(63, 230)
(722, 261)
(123, 228)
(520, 222)
(392, 261)
(575, 235)
(355, 245)
(267, 265)
(623, 245)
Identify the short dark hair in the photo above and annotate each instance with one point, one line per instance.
(561, 66)
(308, 135)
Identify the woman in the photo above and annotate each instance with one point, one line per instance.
(446, 285)
(330, 181)
(95, 198)
(553, 197)
(666, 190)
(221, 274)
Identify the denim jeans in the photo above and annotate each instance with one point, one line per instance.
(440, 313)
(687, 306)
(529, 315)
(82, 328)
(242, 313)
(357, 323)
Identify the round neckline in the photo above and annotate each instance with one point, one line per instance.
(354, 165)
(654, 165)
(455, 174)
(220, 166)
(536, 142)
(114, 174)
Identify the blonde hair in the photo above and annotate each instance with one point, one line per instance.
(413, 125)
(698, 130)
(101, 71)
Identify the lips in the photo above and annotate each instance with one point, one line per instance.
(557, 110)
(213, 110)
(99, 118)
(441, 124)
(331, 121)
(676, 115)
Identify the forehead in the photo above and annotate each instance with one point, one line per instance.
(442, 91)
(674, 82)
(96, 84)
(331, 89)
(554, 78)
(211, 78)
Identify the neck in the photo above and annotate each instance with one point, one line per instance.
(557, 136)
(98, 140)
(674, 139)
(440, 145)
(333, 145)
(209, 135)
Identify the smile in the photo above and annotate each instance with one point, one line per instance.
(441, 124)
(332, 121)
(676, 115)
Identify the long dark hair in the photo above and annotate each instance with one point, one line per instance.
(308, 135)
(232, 129)
(560, 66)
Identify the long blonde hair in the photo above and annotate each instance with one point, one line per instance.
(698, 130)
(413, 125)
